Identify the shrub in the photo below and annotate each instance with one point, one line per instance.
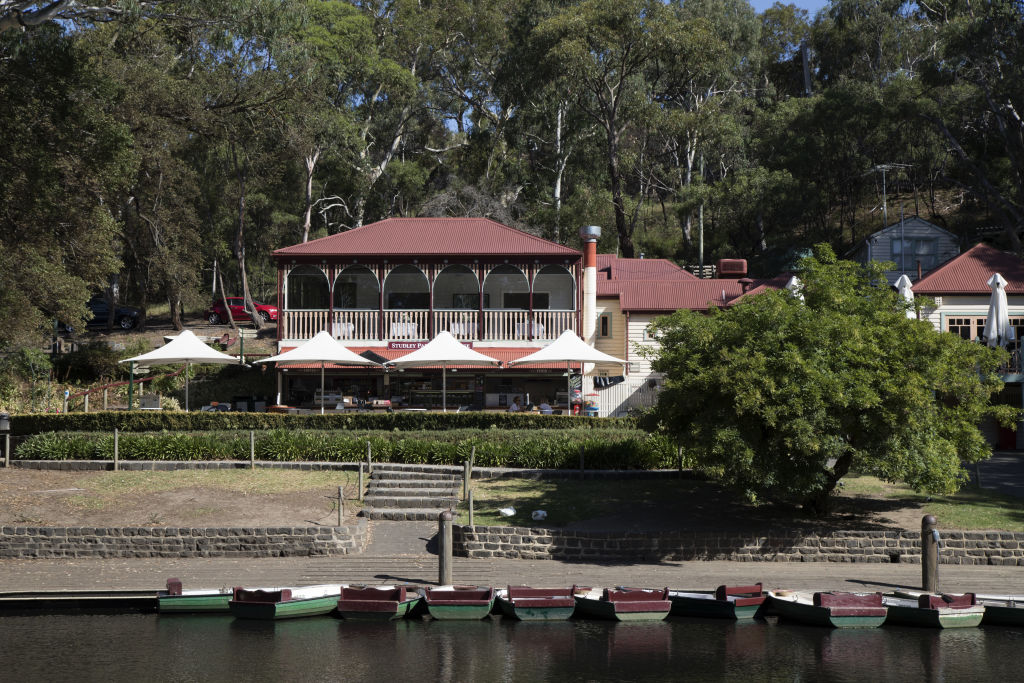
(538, 448)
(149, 421)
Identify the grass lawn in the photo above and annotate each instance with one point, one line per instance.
(693, 505)
(106, 490)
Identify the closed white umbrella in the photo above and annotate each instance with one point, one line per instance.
(185, 348)
(443, 350)
(323, 349)
(795, 287)
(905, 288)
(998, 331)
(568, 348)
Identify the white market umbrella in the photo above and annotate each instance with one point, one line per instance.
(323, 349)
(443, 350)
(568, 348)
(184, 348)
(998, 331)
(904, 287)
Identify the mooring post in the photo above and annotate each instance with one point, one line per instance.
(444, 542)
(929, 555)
(360, 482)
(116, 464)
(472, 461)
(341, 505)
(369, 462)
(252, 449)
(465, 479)
(471, 507)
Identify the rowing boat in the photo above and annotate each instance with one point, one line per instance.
(934, 611)
(459, 602)
(622, 604)
(175, 599)
(725, 602)
(285, 603)
(377, 603)
(1002, 610)
(834, 610)
(535, 604)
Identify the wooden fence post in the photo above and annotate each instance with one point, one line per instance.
(116, 464)
(252, 449)
(360, 482)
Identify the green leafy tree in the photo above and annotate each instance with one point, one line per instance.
(782, 397)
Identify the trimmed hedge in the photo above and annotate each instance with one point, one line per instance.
(152, 421)
(538, 448)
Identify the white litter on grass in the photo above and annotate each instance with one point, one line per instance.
(538, 515)
(507, 512)
(58, 490)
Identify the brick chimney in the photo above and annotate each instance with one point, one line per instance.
(589, 235)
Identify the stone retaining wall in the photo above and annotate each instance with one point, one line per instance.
(956, 547)
(51, 542)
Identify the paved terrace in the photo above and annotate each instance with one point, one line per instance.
(400, 552)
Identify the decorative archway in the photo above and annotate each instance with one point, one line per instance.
(457, 288)
(506, 288)
(554, 288)
(356, 288)
(307, 289)
(406, 288)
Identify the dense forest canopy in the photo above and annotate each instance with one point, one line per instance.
(146, 141)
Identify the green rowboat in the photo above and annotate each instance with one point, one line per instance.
(459, 602)
(935, 611)
(830, 610)
(285, 603)
(177, 600)
(726, 602)
(536, 604)
(377, 603)
(622, 604)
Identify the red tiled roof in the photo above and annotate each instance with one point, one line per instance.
(968, 273)
(611, 267)
(672, 295)
(504, 354)
(762, 286)
(431, 237)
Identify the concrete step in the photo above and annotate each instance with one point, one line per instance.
(438, 502)
(404, 514)
(426, 469)
(399, 474)
(391, 492)
(436, 484)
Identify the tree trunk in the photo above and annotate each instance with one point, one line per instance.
(621, 226)
(224, 300)
(819, 503)
(174, 301)
(307, 219)
(240, 171)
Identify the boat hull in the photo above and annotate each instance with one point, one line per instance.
(460, 612)
(288, 609)
(935, 618)
(1000, 615)
(388, 611)
(813, 615)
(603, 609)
(533, 613)
(171, 604)
(711, 609)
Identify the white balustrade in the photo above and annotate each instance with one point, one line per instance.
(350, 325)
(303, 324)
(461, 323)
(406, 325)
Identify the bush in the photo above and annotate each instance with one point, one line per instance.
(538, 448)
(150, 421)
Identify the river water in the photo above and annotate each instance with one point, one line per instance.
(220, 648)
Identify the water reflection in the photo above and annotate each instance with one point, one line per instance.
(204, 648)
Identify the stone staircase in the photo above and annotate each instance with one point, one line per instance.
(411, 492)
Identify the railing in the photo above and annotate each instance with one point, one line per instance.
(414, 325)
(356, 325)
(407, 325)
(302, 324)
(464, 325)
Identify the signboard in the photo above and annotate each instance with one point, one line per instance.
(413, 345)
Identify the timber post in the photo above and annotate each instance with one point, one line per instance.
(444, 543)
(360, 482)
(929, 555)
(116, 464)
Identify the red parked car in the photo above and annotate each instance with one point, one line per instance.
(217, 315)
